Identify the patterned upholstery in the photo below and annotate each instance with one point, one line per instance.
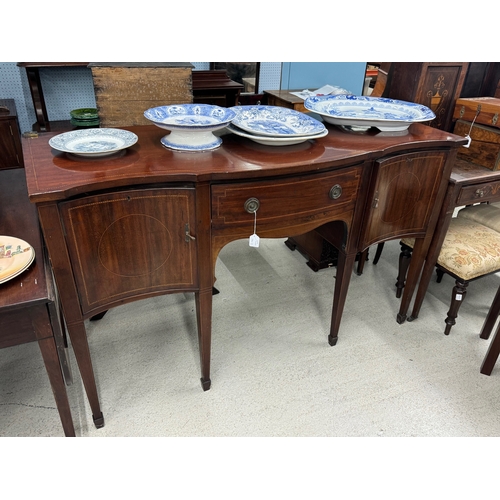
(487, 215)
(469, 249)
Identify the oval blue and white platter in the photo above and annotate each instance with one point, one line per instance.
(94, 141)
(275, 121)
(364, 112)
(275, 141)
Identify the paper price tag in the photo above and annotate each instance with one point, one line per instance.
(254, 241)
(469, 140)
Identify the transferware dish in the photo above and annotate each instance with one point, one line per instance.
(275, 141)
(191, 125)
(15, 257)
(93, 142)
(276, 121)
(364, 112)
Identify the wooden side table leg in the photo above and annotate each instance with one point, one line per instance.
(51, 359)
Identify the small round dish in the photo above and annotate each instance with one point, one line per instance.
(364, 112)
(15, 257)
(93, 142)
(275, 121)
(276, 141)
(191, 126)
(84, 114)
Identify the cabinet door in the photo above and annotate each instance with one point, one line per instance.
(9, 157)
(403, 195)
(130, 243)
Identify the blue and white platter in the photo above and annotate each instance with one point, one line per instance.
(276, 121)
(364, 112)
(275, 141)
(93, 142)
(191, 125)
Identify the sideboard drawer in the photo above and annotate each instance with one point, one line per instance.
(285, 202)
(478, 193)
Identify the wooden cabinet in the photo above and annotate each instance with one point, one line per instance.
(436, 85)
(403, 195)
(216, 88)
(11, 153)
(130, 242)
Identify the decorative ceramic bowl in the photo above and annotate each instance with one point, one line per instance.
(364, 112)
(191, 125)
(84, 114)
(275, 121)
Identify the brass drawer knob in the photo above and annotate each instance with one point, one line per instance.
(479, 193)
(335, 192)
(252, 205)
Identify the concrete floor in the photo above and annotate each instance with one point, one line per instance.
(273, 372)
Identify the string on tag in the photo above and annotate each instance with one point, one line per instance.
(254, 239)
(469, 140)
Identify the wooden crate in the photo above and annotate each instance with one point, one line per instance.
(484, 148)
(489, 110)
(124, 91)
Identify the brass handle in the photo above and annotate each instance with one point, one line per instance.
(335, 192)
(252, 205)
(187, 236)
(479, 193)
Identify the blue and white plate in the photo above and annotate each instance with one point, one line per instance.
(93, 142)
(276, 141)
(275, 121)
(190, 125)
(363, 112)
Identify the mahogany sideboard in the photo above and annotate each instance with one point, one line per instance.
(151, 221)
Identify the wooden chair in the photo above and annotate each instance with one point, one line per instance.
(494, 349)
(470, 251)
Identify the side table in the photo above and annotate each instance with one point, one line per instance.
(29, 309)
(285, 99)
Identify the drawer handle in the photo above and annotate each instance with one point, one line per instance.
(335, 192)
(479, 193)
(252, 205)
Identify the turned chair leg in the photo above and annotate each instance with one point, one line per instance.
(404, 263)
(457, 297)
(363, 257)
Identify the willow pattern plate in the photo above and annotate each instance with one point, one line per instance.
(93, 142)
(276, 121)
(365, 112)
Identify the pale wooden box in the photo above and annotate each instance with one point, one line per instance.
(124, 91)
